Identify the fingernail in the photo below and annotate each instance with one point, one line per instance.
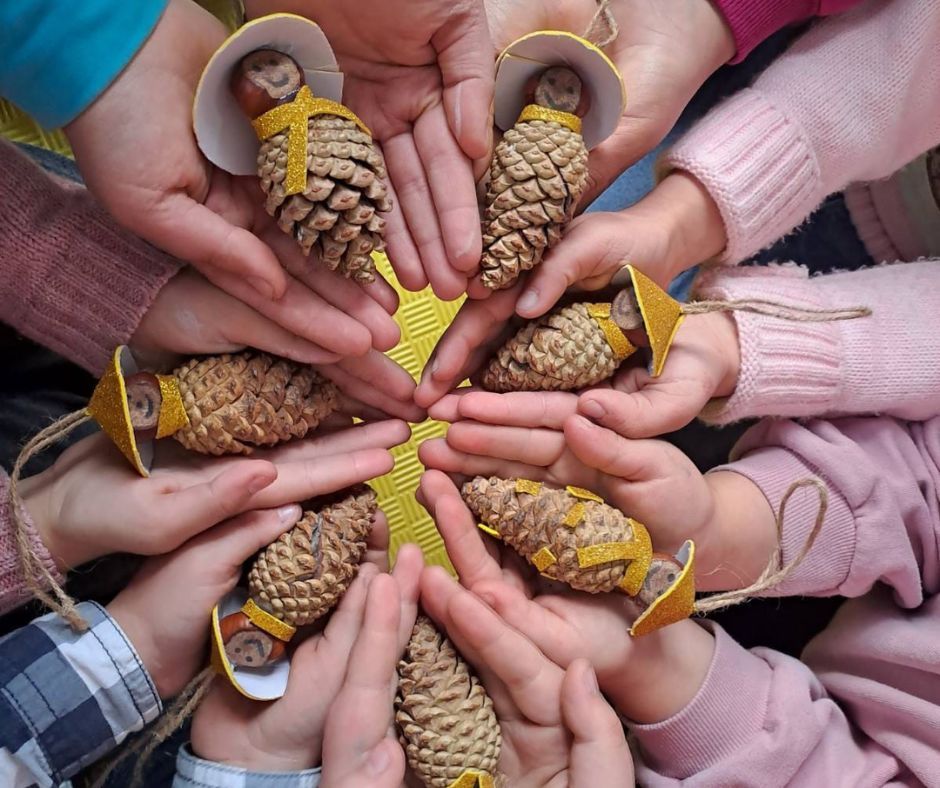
(592, 408)
(378, 761)
(590, 681)
(263, 286)
(434, 367)
(257, 484)
(288, 514)
(528, 301)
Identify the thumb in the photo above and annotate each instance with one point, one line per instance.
(465, 57)
(196, 508)
(600, 757)
(193, 232)
(608, 452)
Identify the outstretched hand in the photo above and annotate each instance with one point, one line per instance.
(420, 75)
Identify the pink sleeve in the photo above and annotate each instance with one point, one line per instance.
(70, 278)
(882, 522)
(854, 99)
(754, 21)
(13, 591)
(887, 363)
(758, 714)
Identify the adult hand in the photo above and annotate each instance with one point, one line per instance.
(649, 679)
(288, 734)
(557, 728)
(91, 503)
(420, 74)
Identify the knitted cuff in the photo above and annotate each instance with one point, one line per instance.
(754, 21)
(725, 715)
(774, 469)
(788, 368)
(758, 167)
(13, 589)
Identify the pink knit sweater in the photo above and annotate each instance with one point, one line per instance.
(752, 21)
(854, 99)
(71, 280)
(863, 707)
(886, 363)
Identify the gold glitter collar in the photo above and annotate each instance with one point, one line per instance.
(172, 417)
(268, 623)
(617, 340)
(535, 112)
(294, 116)
(473, 778)
(675, 603)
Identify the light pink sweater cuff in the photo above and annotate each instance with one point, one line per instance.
(827, 565)
(787, 368)
(733, 701)
(13, 590)
(757, 165)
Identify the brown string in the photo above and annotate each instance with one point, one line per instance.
(36, 574)
(160, 729)
(797, 314)
(603, 29)
(774, 574)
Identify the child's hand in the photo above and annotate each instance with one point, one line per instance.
(557, 728)
(91, 503)
(164, 611)
(651, 481)
(648, 678)
(288, 734)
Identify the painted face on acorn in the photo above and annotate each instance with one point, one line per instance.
(274, 72)
(143, 401)
(663, 571)
(559, 88)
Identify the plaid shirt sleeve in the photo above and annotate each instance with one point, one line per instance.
(68, 698)
(193, 772)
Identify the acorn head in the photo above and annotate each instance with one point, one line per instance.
(663, 571)
(143, 402)
(265, 78)
(560, 88)
(246, 646)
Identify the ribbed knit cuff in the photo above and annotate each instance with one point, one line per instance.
(787, 368)
(758, 167)
(826, 566)
(726, 714)
(754, 21)
(73, 280)
(13, 589)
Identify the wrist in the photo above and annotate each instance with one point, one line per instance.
(663, 674)
(715, 41)
(37, 494)
(744, 534)
(729, 349)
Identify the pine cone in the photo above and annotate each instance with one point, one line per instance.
(534, 524)
(564, 350)
(537, 174)
(339, 212)
(305, 573)
(445, 717)
(241, 401)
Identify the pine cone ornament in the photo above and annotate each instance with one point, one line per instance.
(238, 402)
(303, 575)
(569, 348)
(537, 175)
(299, 578)
(327, 192)
(444, 715)
(569, 535)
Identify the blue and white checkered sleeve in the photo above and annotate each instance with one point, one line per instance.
(68, 698)
(193, 772)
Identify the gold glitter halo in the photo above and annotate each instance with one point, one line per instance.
(662, 316)
(108, 407)
(535, 112)
(675, 603)
(617, 340)
(172, 416)
(293, 117)
(268, 623)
